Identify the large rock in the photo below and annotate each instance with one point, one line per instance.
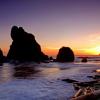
(65, 54)
(2, 58)
(24, 47)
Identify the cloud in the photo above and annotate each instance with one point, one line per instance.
(94, 38)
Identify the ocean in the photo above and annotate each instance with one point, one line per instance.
(33, 81)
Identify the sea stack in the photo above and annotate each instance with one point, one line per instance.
(2, 58)
(65, 54)
(24, 47)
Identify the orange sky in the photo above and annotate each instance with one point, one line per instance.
(89, 45)
(89, 51)
(54, 51)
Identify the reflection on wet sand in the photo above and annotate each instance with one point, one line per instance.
(47, 73)
(29, 71)
(6, 73)
(98, 70)
(50, 71)
(33, 72)
(24, 72)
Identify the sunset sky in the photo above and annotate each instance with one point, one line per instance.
(55, 23)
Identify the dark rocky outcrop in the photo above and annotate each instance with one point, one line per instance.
(84, 59)
(69, 80)
(24, 47)
(2, 58)
(65, 54)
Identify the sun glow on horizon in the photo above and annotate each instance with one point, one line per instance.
(90, 51)
(86, 51)
(50, 51)
(95, 50)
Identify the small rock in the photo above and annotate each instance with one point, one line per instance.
(69, 80)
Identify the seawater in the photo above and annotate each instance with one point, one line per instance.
(32, 81)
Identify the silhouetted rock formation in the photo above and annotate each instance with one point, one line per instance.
(24, 47)
(2, 58)
(84, 59)
(51, 59)
(65, 54)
